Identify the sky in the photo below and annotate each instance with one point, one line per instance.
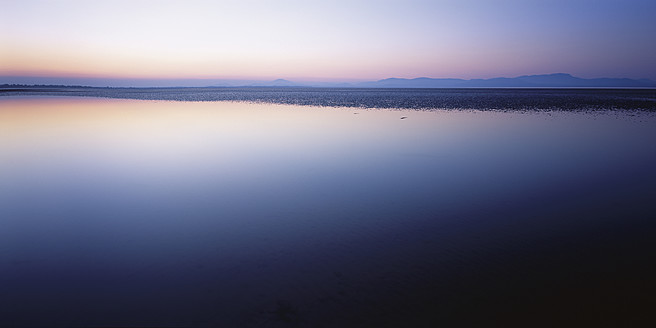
(337, 40)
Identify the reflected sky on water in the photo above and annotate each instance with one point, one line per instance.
(132, 212)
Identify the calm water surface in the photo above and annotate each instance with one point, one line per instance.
(119, 212)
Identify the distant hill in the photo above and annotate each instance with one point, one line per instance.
(558, 80)
(276, 83)
(421, 82)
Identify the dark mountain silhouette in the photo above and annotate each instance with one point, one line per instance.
(420, 82)
(558, 80)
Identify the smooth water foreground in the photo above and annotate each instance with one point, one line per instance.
(154, 213)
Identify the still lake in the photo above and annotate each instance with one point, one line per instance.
(123, 212)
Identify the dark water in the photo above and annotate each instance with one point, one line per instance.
(121, 212)
(480, 99)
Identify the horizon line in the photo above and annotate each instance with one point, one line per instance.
(299, 79)
(575, 82)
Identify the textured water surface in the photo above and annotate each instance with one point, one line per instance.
(480, 99)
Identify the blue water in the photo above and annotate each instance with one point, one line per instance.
(119, 212)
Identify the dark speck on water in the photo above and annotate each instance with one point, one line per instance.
(285, 312)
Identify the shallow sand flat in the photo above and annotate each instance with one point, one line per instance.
(485, 99)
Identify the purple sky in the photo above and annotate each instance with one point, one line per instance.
(329, 41)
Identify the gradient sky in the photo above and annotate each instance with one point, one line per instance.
(331, 40)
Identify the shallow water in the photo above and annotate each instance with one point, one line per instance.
(155, 213)
(488, 99)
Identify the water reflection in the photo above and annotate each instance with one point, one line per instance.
(125, 212)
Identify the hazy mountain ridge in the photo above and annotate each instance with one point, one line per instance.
(557, 80)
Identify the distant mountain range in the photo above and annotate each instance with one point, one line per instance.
(558, 80)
